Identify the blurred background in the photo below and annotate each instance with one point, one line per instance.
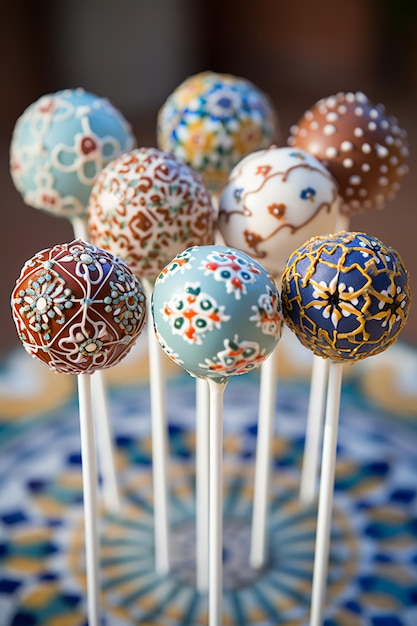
(135, 52)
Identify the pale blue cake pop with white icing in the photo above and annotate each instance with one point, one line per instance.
(59, 145)
(216, 312)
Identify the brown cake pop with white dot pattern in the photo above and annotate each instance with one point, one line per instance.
(364, 148)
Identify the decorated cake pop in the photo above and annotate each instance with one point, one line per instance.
(216, 312)
(59, 145)
(364, 148)
(80, 309)
(77, 308)
(213, 120)
(274, 200)
(146, 206)
(346, 296)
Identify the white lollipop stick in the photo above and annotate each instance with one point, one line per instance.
(267, 393)
(324, 515)
(89, 476)
(318, 387)
(108, 471)
(202, 483)
(216, 503)
(159, 443)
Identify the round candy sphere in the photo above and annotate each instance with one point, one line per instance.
(216, 312)
(346, 296)
(213, 120)
(146, 207)
(59, 145)
(77, 308)
(276, 199)
(362, 146)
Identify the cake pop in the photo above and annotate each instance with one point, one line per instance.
(362, 146)
(213, 120)
(79, 309)
(58, 146)
(346, 297)
(274, 200)
(216, 313)
(146, 206)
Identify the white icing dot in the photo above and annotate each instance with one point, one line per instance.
(349, 191)
(41, 304)
(381, 151)
(302, 132)
(314, 125)
(342, 109)
(355, 180)
(395, 129)
(308, 115)
(348, 163)
(329, 129)
(372, 126)
(384, 124)
(383, 181)
(393, 160)
(389, 140)
(294, 129)
(346, 146)
(323, 109)
(362, 192)
(331, 102)
(366, 148)
(383, 169)
(358, 111)
(374, 113)
(358, 132)
(404, 151)
(380, 198)
(91, 347)
(350, 97)
(365, 167)
(332, 116)
(360, 97)
(355, 204)
(331, 152)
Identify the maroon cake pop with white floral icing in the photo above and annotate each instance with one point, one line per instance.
(363, 148)
(77, 308)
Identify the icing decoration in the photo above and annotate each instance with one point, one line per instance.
(77, 308)
(364, 148)
(274, 200)
(213, 120)
(346, 296)
(59, 145)
(146, 206)
(216, 312)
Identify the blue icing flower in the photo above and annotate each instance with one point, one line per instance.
(308, 194)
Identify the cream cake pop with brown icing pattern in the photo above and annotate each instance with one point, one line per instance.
(362, 146)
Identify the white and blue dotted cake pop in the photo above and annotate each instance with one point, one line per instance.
(216, 312)
(59, 145)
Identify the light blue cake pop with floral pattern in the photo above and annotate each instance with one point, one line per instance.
(216, 312)
(59, 145)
